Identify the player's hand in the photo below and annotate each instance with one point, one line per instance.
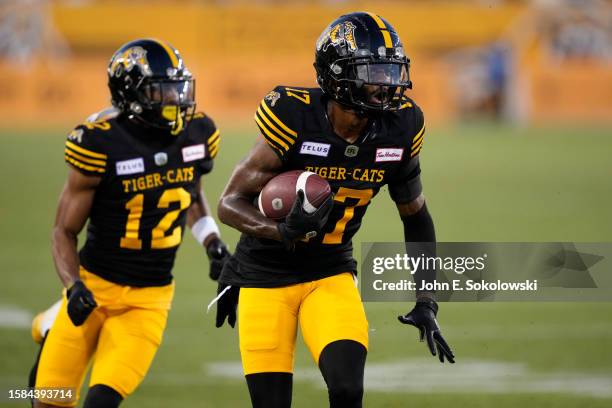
(218, 254)
(227, 304)
(299, 224)
(423, 317)
(80, 303)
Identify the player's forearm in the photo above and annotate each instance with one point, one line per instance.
(419, 228)
(65, 256)
(199, 217)
(240, 213)
(199, 207)
(195, 212)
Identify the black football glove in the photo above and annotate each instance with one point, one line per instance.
(80, 303)
(218, 254)
(299, 224)
(227, 304)
(423, 317)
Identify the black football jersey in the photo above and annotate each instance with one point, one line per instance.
(138, 215)
(294, 123)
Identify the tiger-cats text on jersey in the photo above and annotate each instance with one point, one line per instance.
(149, 179)
(294, 123)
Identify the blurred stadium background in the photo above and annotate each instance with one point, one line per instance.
(518, 99)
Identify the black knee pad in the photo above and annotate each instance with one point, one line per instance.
(102, 396)
(345, 395)
(270, 390)
(342, 364)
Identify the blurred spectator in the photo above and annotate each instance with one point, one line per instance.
(481, 80)
(579, 30)
(26, 31)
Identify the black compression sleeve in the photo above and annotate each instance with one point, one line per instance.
(270, 390)
(419, 227)
(420, 238)
(342, 364)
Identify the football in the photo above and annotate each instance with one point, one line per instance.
(278, 195)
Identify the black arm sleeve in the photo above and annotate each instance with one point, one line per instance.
(406, 185)
(420, 238)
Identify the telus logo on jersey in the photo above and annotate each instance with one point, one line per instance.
(132, 166)
(387, 155)
(195, 152)
(315, 149)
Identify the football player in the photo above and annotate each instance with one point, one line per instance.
(134, 173)
(360, 131)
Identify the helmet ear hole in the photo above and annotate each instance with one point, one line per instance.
(136, 108)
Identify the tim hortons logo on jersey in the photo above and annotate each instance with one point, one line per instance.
(132, 166)
(342, 34)
(315, 149)
(128, 59)
(387, 155)
(195, 152)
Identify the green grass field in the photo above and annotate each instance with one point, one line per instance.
(483, 183)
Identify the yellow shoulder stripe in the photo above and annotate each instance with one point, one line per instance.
(417, 142)
(83, 166)
(213, 146)
(418, 136)
(269, 135)
(273, 145)
(213, 143)
(273, 128)
(277, 120)
(213, 151)
(84, 159)
(214, 138)
(417, 145)
(85, 151)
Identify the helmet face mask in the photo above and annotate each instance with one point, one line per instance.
(148, 82)
(360, 63)
(378, 85)
(179, 92)
(167, 103)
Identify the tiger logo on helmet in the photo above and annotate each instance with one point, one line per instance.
(130, 58)
(341, 35)
(148, 81)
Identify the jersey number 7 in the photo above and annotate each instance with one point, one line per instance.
(363, 197)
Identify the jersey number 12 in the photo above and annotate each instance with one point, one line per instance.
(159, 239)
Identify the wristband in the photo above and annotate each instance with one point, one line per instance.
(203, 227)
